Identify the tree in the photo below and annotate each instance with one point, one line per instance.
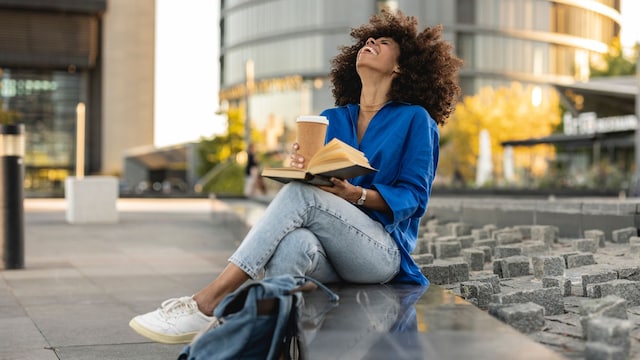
(215, 150)
(218, 155)
(508, 113)
(614, 62)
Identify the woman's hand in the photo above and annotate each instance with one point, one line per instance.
(343, 189)
(297, 161)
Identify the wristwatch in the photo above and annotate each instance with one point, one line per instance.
(363, 197)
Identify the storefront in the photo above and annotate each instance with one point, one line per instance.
(49, 55)
(596, 148)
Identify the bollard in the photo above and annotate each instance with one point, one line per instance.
(11, 196)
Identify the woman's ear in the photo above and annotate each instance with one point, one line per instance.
(396, 69)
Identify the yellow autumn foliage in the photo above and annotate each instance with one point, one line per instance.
(507, 113)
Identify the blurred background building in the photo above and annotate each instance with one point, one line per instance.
(59, 53)
(291, 42)
(274, 57)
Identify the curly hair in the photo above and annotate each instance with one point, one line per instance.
(429, 69)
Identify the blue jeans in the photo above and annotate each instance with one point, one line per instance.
(308, 231)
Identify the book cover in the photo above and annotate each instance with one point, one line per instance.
(335, 159)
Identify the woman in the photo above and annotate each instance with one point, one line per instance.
(392, 90)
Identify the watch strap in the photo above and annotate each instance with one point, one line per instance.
(363, 197)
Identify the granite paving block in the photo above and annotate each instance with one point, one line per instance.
(578, 260)
(595, 350)
(475, 258)
(486, 242)
(534, 248)
(440, 229)
(565, 255)
(423, 259)
(610, 331)
(634, 249)
(585, 245)
(626, 289)
(544, 233)
(491, 279)
(436, 273)
(480, 234)
(609, 306)
(487, 252)
(431, 236)
(525, 230)
(634, 240)
(481, 291)
(512, 266)
(621, 236)
(597, 235)
(422, 229)
(628, 272)
(507, 237)
(459, 228)
(598, 277)
(504, 251)
(549, 298)
(545, 266)
(490, 228)
(526, 317)
(458, 271)
(466, 241)
(558, 281)
(422, 246)
(447, 248)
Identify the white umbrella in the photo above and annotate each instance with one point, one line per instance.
(484, 167)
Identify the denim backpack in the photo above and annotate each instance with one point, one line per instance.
(257, 321)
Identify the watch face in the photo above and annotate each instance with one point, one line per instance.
(360, 202)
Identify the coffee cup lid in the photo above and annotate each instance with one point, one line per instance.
(313, 118)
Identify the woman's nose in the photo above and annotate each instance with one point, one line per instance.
(370, 41)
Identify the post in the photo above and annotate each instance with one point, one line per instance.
(636, 177)
(249, 84)
(11, 195)
(80, 125)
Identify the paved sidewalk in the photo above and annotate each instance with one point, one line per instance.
(83, 283)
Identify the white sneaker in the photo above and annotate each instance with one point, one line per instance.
(176, 321)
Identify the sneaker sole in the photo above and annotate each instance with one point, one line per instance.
(161, 338)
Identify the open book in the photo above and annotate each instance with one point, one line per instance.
(335, 159)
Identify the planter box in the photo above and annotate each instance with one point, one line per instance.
(91, 199)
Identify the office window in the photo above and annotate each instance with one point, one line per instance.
(465, 11)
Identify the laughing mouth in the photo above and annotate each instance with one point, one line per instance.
(370, 49)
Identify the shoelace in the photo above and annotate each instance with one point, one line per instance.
(177, 306)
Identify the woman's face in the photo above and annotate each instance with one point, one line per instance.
(379, 54)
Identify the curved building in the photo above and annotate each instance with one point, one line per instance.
(281, 49)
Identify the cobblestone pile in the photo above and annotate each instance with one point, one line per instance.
(580, 297)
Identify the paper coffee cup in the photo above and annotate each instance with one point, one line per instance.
(312, 130)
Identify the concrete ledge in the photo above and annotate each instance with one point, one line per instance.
(571, 216)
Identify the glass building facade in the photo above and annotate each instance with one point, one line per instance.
(291, 43)
(45, 101)
(48, 65)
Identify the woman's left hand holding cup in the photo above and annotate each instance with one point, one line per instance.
(297, 160)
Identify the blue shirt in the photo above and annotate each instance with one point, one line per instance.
(402, 142)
